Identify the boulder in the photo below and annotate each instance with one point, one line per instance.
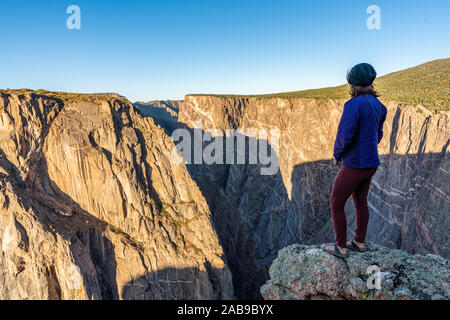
(303, 272)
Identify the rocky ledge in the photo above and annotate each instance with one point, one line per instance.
(308, 273)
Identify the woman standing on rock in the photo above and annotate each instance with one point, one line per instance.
(359, 133)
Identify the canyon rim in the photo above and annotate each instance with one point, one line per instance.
(94, 207)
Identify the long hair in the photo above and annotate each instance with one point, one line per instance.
(357, 91)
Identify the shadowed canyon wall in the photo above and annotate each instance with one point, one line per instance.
(256, 215)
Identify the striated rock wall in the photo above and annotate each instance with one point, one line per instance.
(92, 207)
(258, 215)
(303, 272)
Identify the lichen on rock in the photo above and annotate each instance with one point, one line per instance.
(308, 273)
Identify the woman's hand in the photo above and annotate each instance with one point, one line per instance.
(337, 163)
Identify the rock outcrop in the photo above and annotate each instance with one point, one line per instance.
(309, 273)
(409, 198)
(92, 207)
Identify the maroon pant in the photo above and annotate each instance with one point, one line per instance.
(355, 182)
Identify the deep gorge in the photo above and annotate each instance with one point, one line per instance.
(256, 216)
(89, 182)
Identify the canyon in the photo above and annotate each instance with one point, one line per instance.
(257, 215)
(92, 205)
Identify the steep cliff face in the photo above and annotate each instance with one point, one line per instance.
(92, 207)
(258, 215)
(308, 273)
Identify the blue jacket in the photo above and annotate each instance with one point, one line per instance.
(360, 131)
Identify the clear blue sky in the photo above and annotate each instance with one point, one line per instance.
(160, 49)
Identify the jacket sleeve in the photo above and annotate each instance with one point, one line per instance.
(348, 127)
(380, 128)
